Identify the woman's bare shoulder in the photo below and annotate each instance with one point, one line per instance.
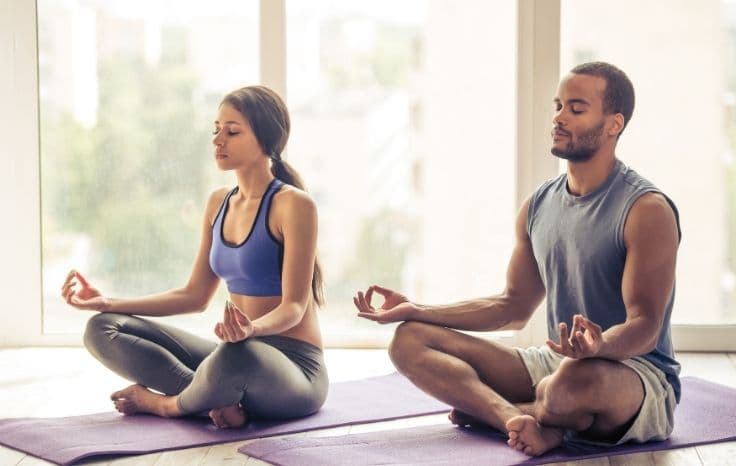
(214, 201)
(292, 199)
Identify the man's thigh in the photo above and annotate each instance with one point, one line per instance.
(498, 366)
(654, 420)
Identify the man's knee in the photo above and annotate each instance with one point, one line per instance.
(407, 337)
(566, 391)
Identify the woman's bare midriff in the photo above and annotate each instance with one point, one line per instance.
(257, 306)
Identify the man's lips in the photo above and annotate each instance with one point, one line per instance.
(560, 134)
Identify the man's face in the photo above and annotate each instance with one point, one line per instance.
(579, 122)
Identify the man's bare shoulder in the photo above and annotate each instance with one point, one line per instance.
(651, 216)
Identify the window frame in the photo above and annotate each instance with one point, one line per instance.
(538, 52)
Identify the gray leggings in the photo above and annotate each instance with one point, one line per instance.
(273, 377)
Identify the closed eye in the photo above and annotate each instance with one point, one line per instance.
(230, 133)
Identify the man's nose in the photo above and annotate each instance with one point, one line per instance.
(558, 119)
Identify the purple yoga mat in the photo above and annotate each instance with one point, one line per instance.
(706, 414)
(69, 439)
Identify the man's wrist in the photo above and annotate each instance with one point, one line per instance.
(417, 310)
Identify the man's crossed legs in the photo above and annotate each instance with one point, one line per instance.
(489, 383)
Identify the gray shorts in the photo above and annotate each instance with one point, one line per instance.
(655, 419)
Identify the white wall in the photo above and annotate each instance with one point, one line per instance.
(20, 239)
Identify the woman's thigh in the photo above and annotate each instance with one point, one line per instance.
(186, 347)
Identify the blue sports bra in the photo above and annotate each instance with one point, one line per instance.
(253, 267)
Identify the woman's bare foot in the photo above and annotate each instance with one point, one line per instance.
(228, 417)
(526, 435)
(462, 419)
(138, 399)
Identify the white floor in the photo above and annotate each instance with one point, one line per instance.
(47, 382)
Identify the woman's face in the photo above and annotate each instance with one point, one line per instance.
(236, 145)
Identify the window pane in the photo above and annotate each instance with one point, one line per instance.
(402, 126)
(128, 94)
(683, 130)
(404, 129)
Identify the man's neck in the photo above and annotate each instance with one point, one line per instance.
(585, 177)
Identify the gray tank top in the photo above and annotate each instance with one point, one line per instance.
(578, 243)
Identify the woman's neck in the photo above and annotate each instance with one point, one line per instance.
(253, 182)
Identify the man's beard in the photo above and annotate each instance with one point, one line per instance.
(584, 148)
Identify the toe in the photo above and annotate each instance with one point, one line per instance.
(216, 417)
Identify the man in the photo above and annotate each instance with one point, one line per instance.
(601, 242)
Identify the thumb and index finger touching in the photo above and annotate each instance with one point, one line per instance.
(384, 292)
(83, 281)
(239, 315)
(76, 274)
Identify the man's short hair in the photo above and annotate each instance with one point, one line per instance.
(619, 94)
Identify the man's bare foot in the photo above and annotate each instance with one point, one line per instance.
(228, 417)
(526, 435)
(462, 419)
(138, 399)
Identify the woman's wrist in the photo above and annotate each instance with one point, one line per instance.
(106, 305)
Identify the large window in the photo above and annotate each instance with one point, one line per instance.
(419, 127)
(128, 92)
(680, 55)
(405, 132)
(403, 128)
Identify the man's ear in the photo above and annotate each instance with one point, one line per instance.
(616, 125)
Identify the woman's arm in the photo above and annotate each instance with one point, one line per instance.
(299, 230)
(192, 297)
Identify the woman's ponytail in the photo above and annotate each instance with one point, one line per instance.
(282, 170)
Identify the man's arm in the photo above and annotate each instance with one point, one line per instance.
(651, 238)
(508, 310)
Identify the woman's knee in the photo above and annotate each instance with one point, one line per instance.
(230, 360)
(100, 328)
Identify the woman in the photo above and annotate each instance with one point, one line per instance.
(260, 237)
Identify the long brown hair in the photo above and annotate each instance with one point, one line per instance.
(269, 119)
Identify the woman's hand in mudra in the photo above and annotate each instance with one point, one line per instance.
(235, 325)
(78, 293)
